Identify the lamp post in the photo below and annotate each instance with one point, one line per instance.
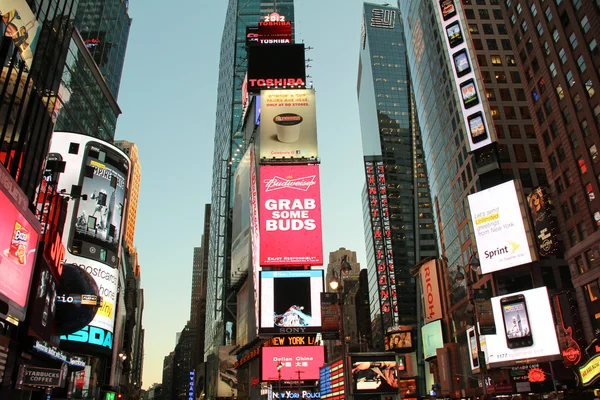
(466, 277)
(335, 284)
(279, 366)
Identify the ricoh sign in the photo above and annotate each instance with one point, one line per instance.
(290, 216)
(431, 291)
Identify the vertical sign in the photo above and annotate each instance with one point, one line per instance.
(382, 240)
(431, 291)
(543, 222)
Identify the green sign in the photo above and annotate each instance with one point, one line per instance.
(110, 396)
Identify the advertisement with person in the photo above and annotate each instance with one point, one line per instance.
(543, 222)
(290, 301)
(501, 228)
(19, 23)
(240, 224)
(372, 374)
(228, 380)
(431, 291)
(525, 328)
(287, 363)
(288, 124)
(19, 233)
(290, 216)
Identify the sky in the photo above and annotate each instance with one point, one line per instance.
(168, 98)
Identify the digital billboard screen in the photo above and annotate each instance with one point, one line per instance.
(276, 65)
(290, 216)
(433, 338)
(290, 301)
(374, 374)
(294, 361)
(525, 328)
(501, 229)
(19, 22)
(240, 221)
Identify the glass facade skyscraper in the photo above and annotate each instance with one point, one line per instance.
(397, 207)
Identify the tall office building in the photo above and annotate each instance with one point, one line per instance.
(397, 207)
(131, 150)
(229, 147)
(558, 58)
(335, 260)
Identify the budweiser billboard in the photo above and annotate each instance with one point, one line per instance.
(290, 216)
(431, 291)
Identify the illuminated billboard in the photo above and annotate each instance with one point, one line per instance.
(525, 328)
(290, 216)
(431, 291)
(399, 339)
(331, 380)
(240, 221)
(96, 175)
(276, 66)
(433, 338)
(294, 361)
(290, 301)
(228, 380)
(288, 124)
(501, 229)
(473, 102)
(374, 374)
(273, 29)
(21, 25)
(19, 233)
(543, 222)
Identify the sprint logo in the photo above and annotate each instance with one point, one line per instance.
(510, 249)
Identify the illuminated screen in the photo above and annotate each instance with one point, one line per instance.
(306, 360)
(374, 374)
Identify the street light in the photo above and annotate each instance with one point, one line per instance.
(465, 276)
(279, 366)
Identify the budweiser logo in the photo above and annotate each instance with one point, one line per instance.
(277, 182)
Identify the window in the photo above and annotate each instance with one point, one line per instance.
(492, 44)
(573, 40)
(581, 64)
(540, 29)
(597, 113)
(540, 116)
(529, 132)
(562, 55)
(548, 106)
(573, 140)
(525, 113)
(487, 29)
(470, 14)
(473, 28)
(477, 44)
(570, 79)
(514, 131)
(560, 92)
(590, 192)
(484, 13)
(533, 10)
(496, 60)
(524, 26)
(495, 112)
(577, 102)
(577, 4)
(593, 47)
(555, 35)
(520, 95)
(548, 13)
(573, 201)
(513, 19)
(509, 112)
(593, 153)
(581, 230)
(485, 75)
(552, 69)
(516, 77)
(490, 94)
(585, 129)
(590, 88)
(558, 184)
(497, 13)
(501, 29)
(585, 24)
(565, 209)
(582, 167)
(519, 8)
(546, 48)
(546, 138)
(536, 155)
(520, 155)
(500, 77)
(573, 238)
(481, 60)
(510, 60)
(558, 2)
(552, 161)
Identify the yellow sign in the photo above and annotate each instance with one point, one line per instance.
(590, 370)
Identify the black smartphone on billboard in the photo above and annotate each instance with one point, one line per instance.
(461, 63)
(477, 127)
(448, 9)
(468, 93)
(473, 349)
(454, 33)
(516, 321)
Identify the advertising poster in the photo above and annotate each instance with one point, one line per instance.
(431, 291)
(240, 227)
(525, 328)
(44, 303)
(374, 374)
(543, 222)
(19, 233)
(433, 338)
(501, 231)
(276, 66)
(295, 361)
(288, 124)
(290, 301)
(19, 22)
(399, 341)
(227, 386)
(330, 316)
(290, 216)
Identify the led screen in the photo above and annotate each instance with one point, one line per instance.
(374, 374)
(294, 360)
(291, 301)
(432, 338)
(276, 65)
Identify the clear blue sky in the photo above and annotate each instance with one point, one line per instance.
(168, 98)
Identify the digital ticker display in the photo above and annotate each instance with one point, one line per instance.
(331, 381)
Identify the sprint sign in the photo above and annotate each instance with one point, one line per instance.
(290, 216)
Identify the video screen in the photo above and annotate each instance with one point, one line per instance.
(374, 374)
(448, 9)
(291, 299)
(515, 320)
(477, 127)
(455, 36)
(468, 92)
(461, 63)
(398, 341)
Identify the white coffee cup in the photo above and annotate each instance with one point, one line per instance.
(288, 127)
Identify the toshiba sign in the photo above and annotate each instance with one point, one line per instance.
(431, 291)
(290, 216)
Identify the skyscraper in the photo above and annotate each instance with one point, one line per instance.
(397, 208)
(131, 150)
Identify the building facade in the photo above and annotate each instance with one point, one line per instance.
(131, 150)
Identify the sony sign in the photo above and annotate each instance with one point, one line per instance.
(431, 291)
(292, 330)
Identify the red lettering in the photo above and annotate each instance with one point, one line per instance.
(383, 280)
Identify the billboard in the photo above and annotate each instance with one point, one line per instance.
(19, 233)
(433, 338)
(290, 301)
(19, 23)
(243, 299)
(276, 66)
(273, 29)
(96, 175)
(227, 386)
(288, 124)
(330, 316)
(290, 216)
(240, 224)
(399, 339)
(295, 361)
(431, 291)
(331, 380)
(543, 222)
(501, 231)
(471, 96)
(373, 374)
(525, 328)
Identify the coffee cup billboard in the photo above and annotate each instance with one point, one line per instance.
(288, 127)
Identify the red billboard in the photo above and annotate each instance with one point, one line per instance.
(290, 216)
(297, 362)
